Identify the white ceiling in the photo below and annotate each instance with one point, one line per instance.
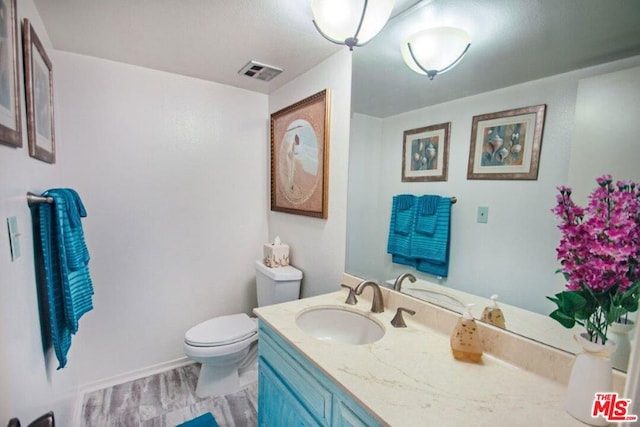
(513, 41)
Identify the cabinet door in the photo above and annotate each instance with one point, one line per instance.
(292, 391)
(348, 414)
(277, 406)
(295, 372)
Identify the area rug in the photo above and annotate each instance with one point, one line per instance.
(204, 420)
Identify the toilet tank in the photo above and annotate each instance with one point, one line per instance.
(276, 285)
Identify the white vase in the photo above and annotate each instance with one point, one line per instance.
(619, 332)
(591, 374)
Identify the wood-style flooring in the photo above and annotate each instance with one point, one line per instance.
(165, 400)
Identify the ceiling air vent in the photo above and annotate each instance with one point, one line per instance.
(257, 70)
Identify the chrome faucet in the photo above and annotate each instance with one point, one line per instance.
(377, 305)
(397, 285)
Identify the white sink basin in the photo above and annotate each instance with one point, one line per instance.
(436, 297)
(339, 325)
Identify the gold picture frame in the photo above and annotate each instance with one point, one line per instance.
(38, 77)
(10, 115)
(300, 157)
(506, 145)
(425, 153)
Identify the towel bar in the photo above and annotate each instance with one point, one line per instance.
(33, 199)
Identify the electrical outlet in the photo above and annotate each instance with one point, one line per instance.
(483, 214)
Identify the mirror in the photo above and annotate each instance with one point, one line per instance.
(513, 255)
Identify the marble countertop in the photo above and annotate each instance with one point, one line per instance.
(410, 378)
(527, 323)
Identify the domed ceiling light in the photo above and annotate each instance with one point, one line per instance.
(350, 22)
(435, 50)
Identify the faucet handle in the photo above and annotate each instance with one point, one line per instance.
(351, 298)
(398, 321)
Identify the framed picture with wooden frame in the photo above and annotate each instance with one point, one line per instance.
(10, 113)
(38, 76)
(506, 145)
(300, 157)
(425, 153)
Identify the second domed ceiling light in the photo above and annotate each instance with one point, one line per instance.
(435, 50)
(350, 22)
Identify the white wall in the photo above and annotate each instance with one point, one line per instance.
(172, 172)
(607, 130)
(514, 254)
(317, 246)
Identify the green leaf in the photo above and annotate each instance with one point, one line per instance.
(555, 300)
(571, 302)
(614, 314)
(566, 321)
(630, 306)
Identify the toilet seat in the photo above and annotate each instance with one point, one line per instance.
(222, 331)
(195, 352)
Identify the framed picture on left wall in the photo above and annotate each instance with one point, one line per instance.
(38, 77)
(10, 121)
(300, 157)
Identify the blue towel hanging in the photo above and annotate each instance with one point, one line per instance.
(403, 209)
(426, 217)
(66, 272)
(426, 245)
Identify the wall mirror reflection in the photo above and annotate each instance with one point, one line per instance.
(521, 54)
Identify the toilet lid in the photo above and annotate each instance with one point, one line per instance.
(221, 330)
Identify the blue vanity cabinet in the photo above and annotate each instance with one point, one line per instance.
(294, 392)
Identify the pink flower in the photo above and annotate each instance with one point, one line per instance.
(600, 244)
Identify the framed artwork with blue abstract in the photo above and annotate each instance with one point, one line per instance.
(425, 153)
(506, 144)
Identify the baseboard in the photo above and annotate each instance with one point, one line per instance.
(123, 378)
(135, 374)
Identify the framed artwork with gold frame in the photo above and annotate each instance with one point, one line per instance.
(38, 77)
(300, 157)
(506, 144)
(425, 153)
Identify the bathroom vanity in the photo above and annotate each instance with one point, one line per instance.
(295, 392)
(408, 376)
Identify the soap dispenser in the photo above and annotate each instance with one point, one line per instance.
(493, 314)
(465, 338)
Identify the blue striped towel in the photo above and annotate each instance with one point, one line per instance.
(426, 214)
(68, 282)
(58, 332)
(432, 250)
(403, 210)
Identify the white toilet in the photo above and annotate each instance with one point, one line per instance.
(226, 346)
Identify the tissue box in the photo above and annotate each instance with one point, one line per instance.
(276, 255)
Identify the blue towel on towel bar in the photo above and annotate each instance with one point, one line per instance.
(433, 247)
(426, 217)
(403, 208)
(426, 247)
(66, 258)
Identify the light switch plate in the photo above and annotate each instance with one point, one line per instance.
(483, 214)
(14, 237)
